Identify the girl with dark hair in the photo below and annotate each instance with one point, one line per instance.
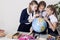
(41, 12)
(41, 8)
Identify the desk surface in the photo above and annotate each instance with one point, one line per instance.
(42, 37)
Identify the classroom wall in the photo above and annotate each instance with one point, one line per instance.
(10, 11)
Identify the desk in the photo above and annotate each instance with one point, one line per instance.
(42, 37)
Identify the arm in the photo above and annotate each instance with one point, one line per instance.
(31, 30)
(51, 25)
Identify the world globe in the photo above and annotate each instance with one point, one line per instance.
(39, 24)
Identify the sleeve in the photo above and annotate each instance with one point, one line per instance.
(53, 19)
(44, 14)
(23, 18)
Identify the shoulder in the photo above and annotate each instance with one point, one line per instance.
(24, 9)
(53, 18)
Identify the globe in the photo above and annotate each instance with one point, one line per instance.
(39, 24)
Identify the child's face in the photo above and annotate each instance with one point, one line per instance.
(34, 7)
(41, 8)
(48, 11)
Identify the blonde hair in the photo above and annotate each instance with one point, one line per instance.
(32, 3)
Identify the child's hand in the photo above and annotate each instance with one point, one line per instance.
(46, 19)
(36, 15)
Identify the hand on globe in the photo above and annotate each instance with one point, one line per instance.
(36, 15)
(46, 19)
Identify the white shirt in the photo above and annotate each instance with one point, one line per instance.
(53, 18)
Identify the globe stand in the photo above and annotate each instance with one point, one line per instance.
(37, 37)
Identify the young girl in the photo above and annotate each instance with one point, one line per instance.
(26, 18)
(27, 15)
(41, 8)
(41, 12)
(51, 20)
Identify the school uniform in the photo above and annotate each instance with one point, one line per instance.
(25, 21)
(52, 19)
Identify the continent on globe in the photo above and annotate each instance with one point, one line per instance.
(39, 24)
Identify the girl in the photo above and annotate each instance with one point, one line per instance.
(41, 8)
(27, 15)
(41, 12)
(26, 18)
(51, 20)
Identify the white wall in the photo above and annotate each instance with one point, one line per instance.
(10, 11)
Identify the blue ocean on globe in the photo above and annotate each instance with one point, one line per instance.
(39, 24)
